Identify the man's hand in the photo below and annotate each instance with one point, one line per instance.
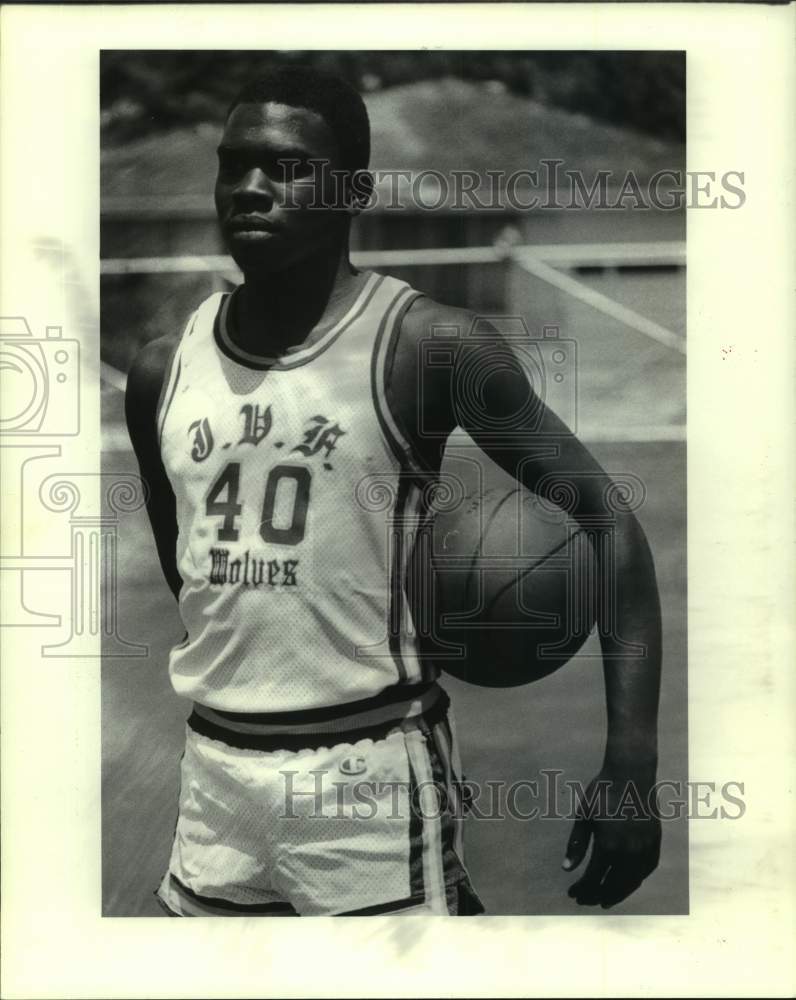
(622, 821)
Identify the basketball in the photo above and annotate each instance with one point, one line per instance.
(511, 589)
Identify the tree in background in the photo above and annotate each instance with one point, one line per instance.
(151, 91)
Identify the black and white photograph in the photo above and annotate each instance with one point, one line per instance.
(396, 343)
(397, 460)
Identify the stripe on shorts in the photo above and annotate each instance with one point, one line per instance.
(416, 880)
(442, 737)
(193, 904)
(426, 801)
(397, 904)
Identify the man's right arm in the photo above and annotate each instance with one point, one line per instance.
(144, 384)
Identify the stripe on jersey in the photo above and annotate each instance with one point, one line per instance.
(290, 359)
(396, 610)
(408, 634)
(412, 477)
(397, 701)
(420, 546)
(386, 340)
(375, 725)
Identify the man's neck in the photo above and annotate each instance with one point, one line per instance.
(282, 309)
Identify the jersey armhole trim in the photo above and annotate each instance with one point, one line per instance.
(381, 365)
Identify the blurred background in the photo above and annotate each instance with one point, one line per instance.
(613, 281)
(162, 113)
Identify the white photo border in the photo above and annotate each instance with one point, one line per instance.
(740, 531)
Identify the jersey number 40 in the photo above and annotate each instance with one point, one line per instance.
(277, 482)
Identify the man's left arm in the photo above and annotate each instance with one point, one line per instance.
(543, 454)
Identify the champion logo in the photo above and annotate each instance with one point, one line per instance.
(353, 765)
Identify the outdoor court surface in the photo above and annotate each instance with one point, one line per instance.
(557, 723)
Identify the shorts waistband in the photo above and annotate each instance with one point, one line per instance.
(371, 718)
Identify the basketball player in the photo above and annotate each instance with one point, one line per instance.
(281, 436)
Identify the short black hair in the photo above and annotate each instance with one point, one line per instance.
(333, 98)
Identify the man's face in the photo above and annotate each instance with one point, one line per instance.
(263, 204)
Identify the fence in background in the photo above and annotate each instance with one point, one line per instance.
(543, 263)
(630, 363)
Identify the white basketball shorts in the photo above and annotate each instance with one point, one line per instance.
(356, 814)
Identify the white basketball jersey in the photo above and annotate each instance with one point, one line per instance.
(298, 504)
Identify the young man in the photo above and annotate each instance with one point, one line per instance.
(281, 436)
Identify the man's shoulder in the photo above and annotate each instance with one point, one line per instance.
(150, 364)
(144, 385)
(424, 321)
(427, 320)
(425, 316)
